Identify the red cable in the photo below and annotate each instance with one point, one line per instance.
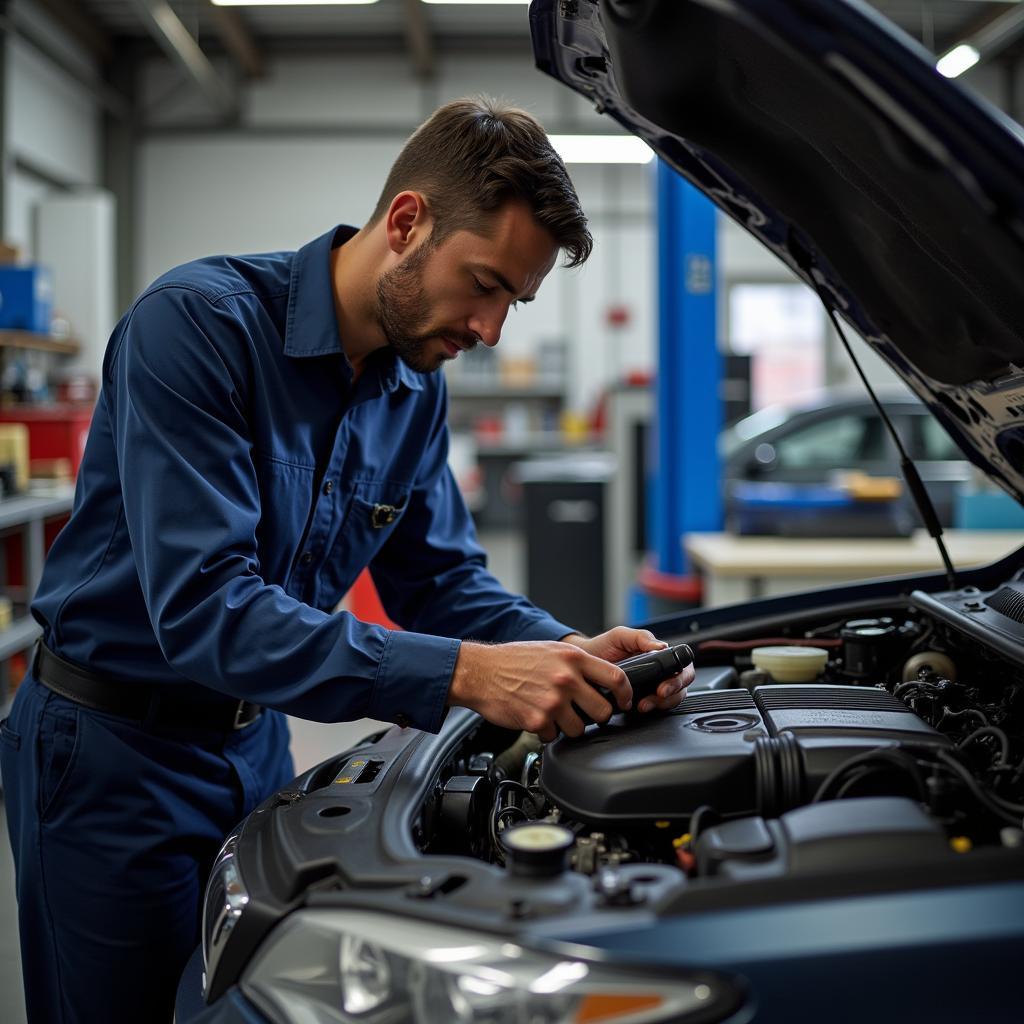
(775, 641)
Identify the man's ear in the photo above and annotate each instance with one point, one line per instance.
(408, 221)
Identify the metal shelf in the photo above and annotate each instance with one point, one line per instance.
(542, 441)
(27, 508)
(20, 634)
(40, 342)
(494, 390)
(28, 511)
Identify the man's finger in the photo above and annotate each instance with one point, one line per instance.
(570, 723)
(629, 641)
(684, 679)
(599, 672)
(588, 700)
(650, 641)
(548, 733)
(668, 695)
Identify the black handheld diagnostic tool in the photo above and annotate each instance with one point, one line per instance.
(645, 673)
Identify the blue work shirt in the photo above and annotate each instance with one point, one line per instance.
(235, 483)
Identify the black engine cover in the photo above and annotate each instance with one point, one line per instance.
(638, 768)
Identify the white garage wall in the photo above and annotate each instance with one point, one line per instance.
(54, 134)
(51, 122)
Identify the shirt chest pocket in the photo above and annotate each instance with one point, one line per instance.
(374, 511)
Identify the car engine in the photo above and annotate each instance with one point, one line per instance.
(884, 739)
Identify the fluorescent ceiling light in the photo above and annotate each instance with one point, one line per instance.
(957, 60)
(287, 3)
(602, 149)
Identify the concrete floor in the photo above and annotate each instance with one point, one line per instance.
(312, 742)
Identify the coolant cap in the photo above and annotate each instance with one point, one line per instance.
(791, 664)
(537, 849)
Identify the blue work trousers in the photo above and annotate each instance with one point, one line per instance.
(114, 827)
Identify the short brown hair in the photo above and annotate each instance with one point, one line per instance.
(471, 157)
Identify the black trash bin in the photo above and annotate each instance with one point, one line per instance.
(565, 500)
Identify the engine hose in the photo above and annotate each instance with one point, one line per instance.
(509, 763)
(773, 641)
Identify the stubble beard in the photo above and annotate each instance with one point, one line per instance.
(402, 306)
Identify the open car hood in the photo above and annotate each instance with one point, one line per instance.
(829, 135)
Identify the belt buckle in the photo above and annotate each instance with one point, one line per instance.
(240, 710)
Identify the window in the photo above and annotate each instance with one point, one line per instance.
(936, 444)
(844, 442)
(782, 328)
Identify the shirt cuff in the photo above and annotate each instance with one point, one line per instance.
(411, 685)
(545, 628)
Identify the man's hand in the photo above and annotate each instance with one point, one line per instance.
(622, 642)
(533, 685)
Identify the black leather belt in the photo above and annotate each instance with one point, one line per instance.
(153, 706)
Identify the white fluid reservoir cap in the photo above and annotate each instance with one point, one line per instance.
(791, 664)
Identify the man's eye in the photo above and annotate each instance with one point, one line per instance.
(482, 288)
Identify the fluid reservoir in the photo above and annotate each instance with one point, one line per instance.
(870, 646)
(791, 664)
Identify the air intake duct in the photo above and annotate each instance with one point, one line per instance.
(778, 774)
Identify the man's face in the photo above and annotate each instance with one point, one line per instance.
(443, 299)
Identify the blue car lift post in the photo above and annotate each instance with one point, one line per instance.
(684, 487)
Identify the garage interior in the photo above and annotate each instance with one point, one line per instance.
(138, 134)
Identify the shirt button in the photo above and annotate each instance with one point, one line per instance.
(328, 486)
(307, 558)
(402, 720)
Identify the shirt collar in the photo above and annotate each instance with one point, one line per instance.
(311, 325)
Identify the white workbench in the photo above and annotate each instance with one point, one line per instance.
(743, 568)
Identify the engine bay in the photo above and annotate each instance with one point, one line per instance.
(892, 738)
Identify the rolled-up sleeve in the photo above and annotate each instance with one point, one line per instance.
(178, 381)
(432, 574)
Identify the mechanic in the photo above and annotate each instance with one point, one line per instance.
(268, 426)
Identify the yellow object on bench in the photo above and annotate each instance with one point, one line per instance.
(862, 487)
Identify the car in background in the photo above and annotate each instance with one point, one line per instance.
(808, 442)
(831, 831)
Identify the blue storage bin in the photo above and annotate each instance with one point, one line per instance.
(26, 299)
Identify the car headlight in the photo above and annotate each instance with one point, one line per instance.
(226, 898)
(325, 966)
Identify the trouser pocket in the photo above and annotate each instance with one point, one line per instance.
(9, 739)
(57, 752)
(10, 744)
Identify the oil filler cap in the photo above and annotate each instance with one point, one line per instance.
(537, 849)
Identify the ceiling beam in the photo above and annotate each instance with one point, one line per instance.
(1000, 33)
(238, 40)
(419, 40)
(177, 42)
(79, 26)
(385, 44)
(971, 26)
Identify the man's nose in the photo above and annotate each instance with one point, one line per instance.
(486, 325)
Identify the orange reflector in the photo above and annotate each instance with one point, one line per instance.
(599, 1008)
